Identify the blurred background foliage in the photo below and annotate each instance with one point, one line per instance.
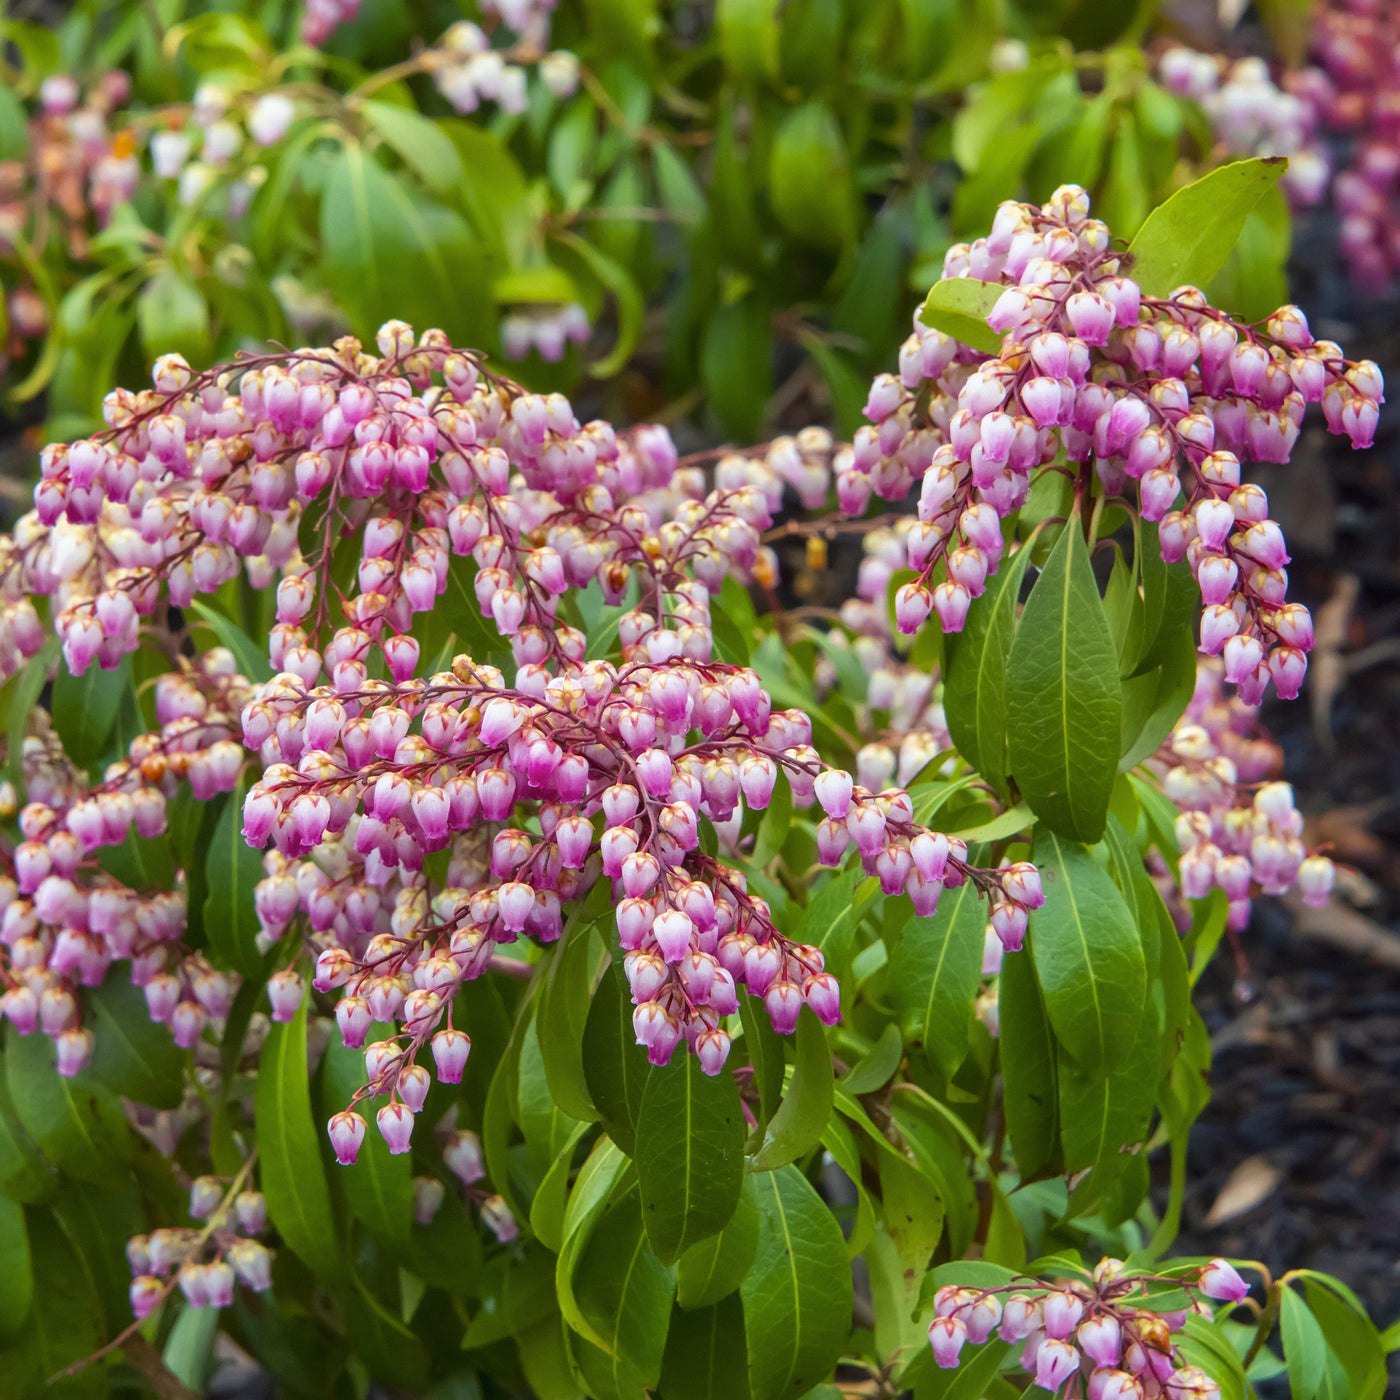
(746, 198)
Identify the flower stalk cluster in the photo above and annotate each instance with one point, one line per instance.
(360, 486)
(1096, 1338)
(1161, 398)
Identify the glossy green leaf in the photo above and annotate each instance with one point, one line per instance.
(133, 1055)
(551, 1196)
(796, 1128)
(797, 1296)
(875, 1069)
(232, 869)
(563, 1015)
(764, 1049)
(418, 142)
(1088, 955)
(1064, 699)
(690, 1158)
(748, 36)
(809, 178)
(389, 251)
(614, 1065)
(974, 672)
(289, 1157)
(16, 1270)
(626, 1293)
(28, 686)
(25, 1175)
(959, 307)
(1171, 601)
(935, 971)
(835, 911)
(252, 659)
(619, 282)
(599, 1178)
(1203, 1345)
(84, 709)
(77, 1123)
(1030, 1097)
(713, 1268)
(913, 1211)
(1154, 702)
(189, 1350)
(1304, 1346)
(774, 825)
(173, 317)
(378, 1185)
(705, 1354)
(1352, 1338)
(1104, 1114)
(1187, 239)
(736, 365)
(66, 1322)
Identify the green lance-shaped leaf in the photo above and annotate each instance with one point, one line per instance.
(1064, 698)
(1027, 1049)
(134, 1056)
(289, 1156)
(797, 1296)
(809, 177)
(85, 709)
(378, 1185)
(974, 672)
(77, 1123)
(959, 307)
(388, 250)
(16, 1270)
(690, 1155)
(1104, 1114)
(232, 868)
(626, 1293)
(705, 1354)
(601, 1177)
(173, 316)
(564, 1008)
(1188, 238)
(614, 1065)
(1088, 955)
(802, 1116)
(24, 1174)
(934, 973)
(712, 1269)
(66, 1321)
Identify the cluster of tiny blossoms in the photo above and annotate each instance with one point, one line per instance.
(215, 141)
(360, 486)
(1098, 1338)
(1252, 116)
(548, 332)
(469, 71)
(1238, 829)
(1167, 394)
(322, 18)
(204, 1261)
(1354, 88)
(76, 169)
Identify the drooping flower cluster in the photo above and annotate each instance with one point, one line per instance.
(1239, 829)
(76, 169)
(1353, 89)
(469, 71)
(1167, 394)
(370, 490)
(1251, 115)
(205, 1261)
(546, 331)
(1099, 1337)
(322, 18)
